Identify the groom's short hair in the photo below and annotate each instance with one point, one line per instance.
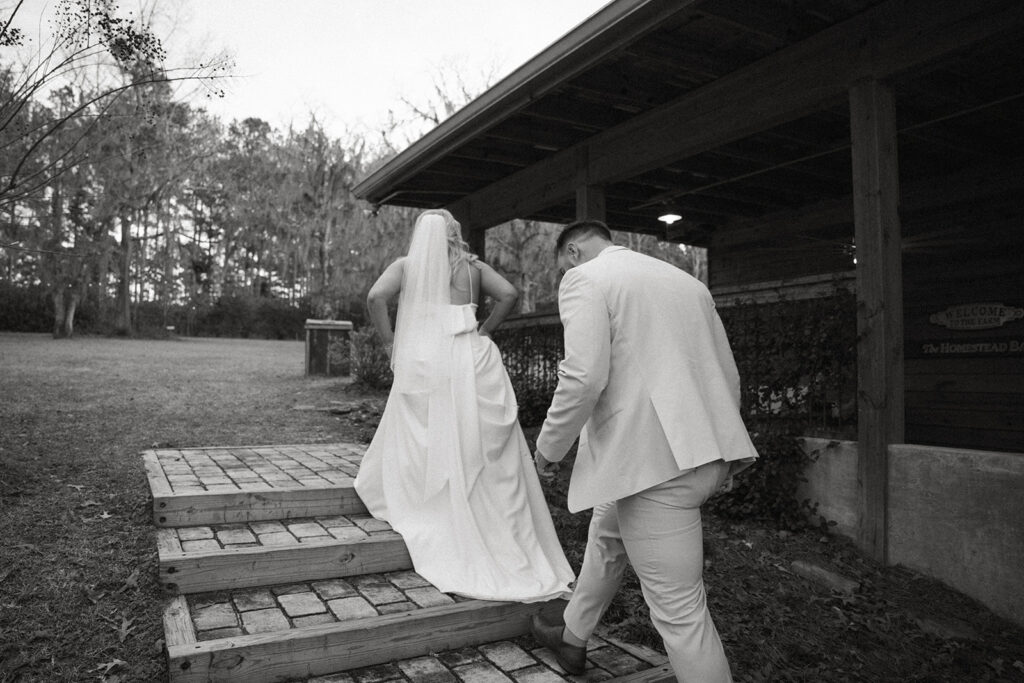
(582, 228)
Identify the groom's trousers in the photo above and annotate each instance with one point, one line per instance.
(659, 531)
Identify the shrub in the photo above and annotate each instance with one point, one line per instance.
(24, 309)
(339, 354)
(371, 364)
(798, 364)
(531, 354)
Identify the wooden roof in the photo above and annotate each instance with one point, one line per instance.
(730, 110)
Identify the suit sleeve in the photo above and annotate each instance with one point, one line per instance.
(583, 373)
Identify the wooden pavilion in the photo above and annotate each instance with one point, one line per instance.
(797, 140)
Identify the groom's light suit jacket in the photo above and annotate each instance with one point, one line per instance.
(648, 381)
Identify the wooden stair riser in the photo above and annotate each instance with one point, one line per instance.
(226, 507)
(317, 650)
(200, 572)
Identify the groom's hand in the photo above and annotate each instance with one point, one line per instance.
(545, 468)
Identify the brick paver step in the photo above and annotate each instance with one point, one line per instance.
(193, 486)
(226, 556)
(301, 629)
(516, 660)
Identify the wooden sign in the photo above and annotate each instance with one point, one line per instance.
(985, 347)
(983, 316)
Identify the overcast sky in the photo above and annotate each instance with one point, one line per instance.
(350, 61)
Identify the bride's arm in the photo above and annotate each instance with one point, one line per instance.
(503, 293)
(384, 290)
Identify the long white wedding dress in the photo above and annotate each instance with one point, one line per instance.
(449, 467)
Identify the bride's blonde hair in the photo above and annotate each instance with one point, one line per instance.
(458, 249)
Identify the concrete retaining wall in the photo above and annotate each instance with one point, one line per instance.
(954, 514)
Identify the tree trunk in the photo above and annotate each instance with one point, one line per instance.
(58, 312)
(102, 298)
(69, 314)
(123, 324)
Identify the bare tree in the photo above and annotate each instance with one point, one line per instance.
(90, 41)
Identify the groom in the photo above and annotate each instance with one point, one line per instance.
(650, 387)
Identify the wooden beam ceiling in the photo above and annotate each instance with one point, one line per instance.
(611, 28)
(887, 39)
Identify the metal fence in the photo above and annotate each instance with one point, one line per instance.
(531, 347)
(797, 363)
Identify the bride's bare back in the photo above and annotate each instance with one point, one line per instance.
(465, 287)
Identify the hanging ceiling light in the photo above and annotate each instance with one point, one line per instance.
(669, 215)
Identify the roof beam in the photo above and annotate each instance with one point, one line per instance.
(612, 27)
(887, 39)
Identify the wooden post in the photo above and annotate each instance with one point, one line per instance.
(590, 202)
(880, 382)
(477, 240)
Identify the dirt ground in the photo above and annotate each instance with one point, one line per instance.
(79, 599)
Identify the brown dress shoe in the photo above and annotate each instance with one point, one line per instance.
(572, 658)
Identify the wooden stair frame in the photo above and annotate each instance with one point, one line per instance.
(213, 570)
(306, 651)
(318, 650)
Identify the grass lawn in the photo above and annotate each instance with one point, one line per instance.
(79, 599)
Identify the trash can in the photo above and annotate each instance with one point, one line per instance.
(328, 347)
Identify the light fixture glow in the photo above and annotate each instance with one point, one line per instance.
(669, 217)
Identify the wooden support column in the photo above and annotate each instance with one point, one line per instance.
(474, 233)
(590, 202)
(880, 382)
(477, 240)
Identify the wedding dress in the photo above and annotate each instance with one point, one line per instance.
(448, 466)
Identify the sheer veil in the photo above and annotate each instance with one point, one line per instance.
(421, 358)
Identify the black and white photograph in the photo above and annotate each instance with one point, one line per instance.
(511, 341)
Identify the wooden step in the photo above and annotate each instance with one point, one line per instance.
(272, 634)
(228, 556)
(193, 486)
(520, 659)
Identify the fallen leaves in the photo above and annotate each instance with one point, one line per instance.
(106, 667)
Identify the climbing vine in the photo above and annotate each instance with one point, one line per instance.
(798, 367)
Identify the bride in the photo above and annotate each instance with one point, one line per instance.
(449, 467)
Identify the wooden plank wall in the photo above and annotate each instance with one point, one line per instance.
(962, 253)
(965, 388)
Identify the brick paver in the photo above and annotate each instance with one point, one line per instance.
(302, 604)
(334, 588)
(299, 605)
(536, 674)
(507, 656)
(481, 672)
(233, 536)
(351, 608)
(332, 678)
(303, 529)
(407, 579)
(202, 544)
(382, 594)
(615, 661)
(425, 670)
(265, 621)
(230, 614)
(219, 469)
(428, 597)
(253, 599)
(214, 616)
(194, 533)
(276, 534)
(377, 674)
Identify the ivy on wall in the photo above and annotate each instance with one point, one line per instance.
(798, 367)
